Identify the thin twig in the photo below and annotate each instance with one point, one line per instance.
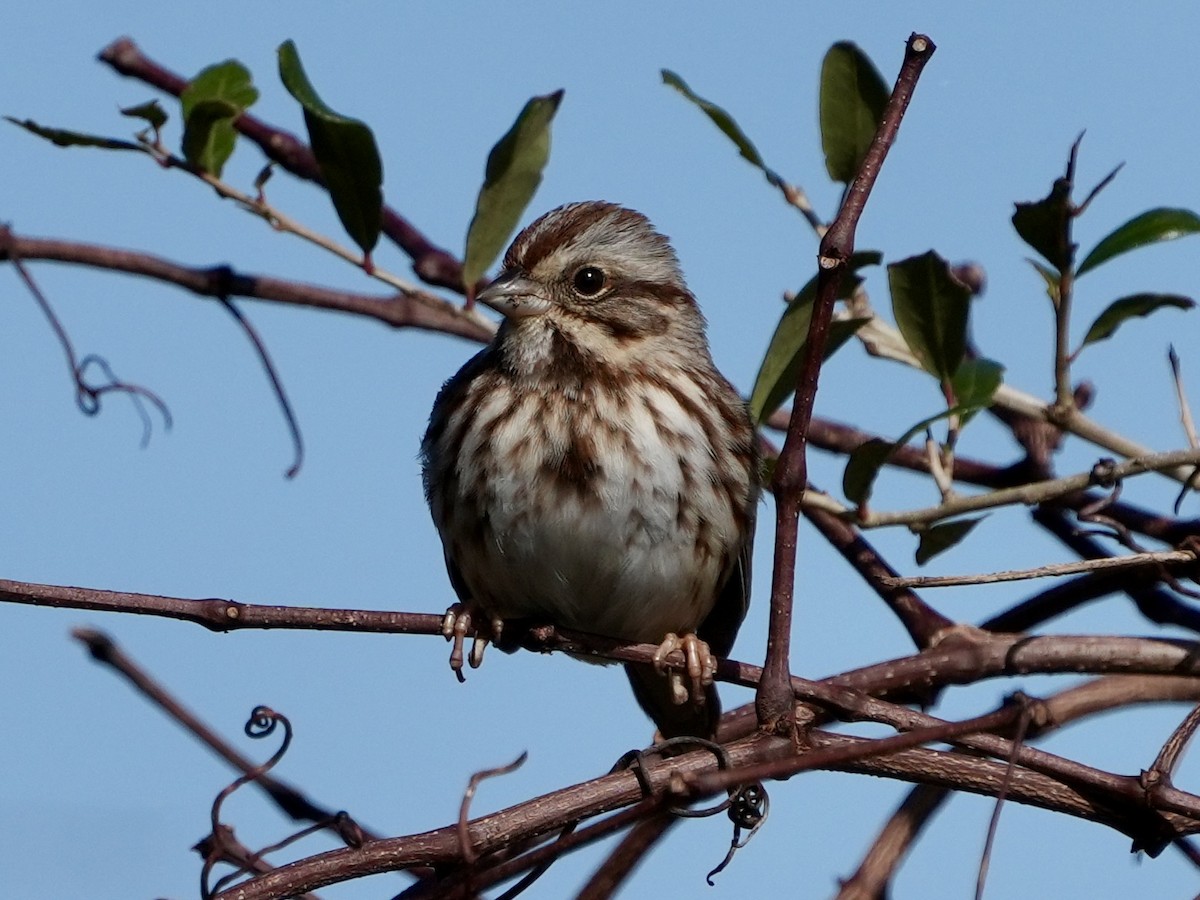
(264, 357)
(464, 808)
(225, 847)
(838, 437)
(1057, 569)
(1154, 602)
(1025, 494)
(1185, 418)
(994, 821)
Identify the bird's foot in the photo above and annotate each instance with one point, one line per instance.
(701, 667)
(458, 623)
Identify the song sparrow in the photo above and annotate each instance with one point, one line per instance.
(590, 467)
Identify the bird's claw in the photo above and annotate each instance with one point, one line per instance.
(701, 666)
(457, 624)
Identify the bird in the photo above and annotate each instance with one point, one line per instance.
(591, 468)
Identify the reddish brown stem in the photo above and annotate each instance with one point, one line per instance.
(773, 701)
(416, 309)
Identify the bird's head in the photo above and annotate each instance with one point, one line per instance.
(593, 281)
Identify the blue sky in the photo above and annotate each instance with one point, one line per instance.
(101, 797)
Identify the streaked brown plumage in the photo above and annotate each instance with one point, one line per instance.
(591, 468)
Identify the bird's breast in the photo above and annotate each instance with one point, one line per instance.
(602, 512)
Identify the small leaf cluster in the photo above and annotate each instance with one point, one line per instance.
(345, 151)
(1047, 226)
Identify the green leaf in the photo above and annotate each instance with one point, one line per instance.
(1052, 279)
(208, 137)
(941, 537)
(976, 382)
(724, 121)
(1126, 308)
(1150, 227)
(777, 375)
(862, 466)
(974, 385)
(1046, 225)
(62, 138)
(853, 95)
(513, 173)
(345, 151)
(931, 308)
(210, 103)
(151, 111)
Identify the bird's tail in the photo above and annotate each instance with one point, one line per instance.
(656, 697)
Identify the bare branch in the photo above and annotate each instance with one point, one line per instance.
(414, 309)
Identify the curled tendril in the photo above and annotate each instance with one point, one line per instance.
(749, 807)
(464, 809)
(716, 750)
(87, 396)
(262, 722)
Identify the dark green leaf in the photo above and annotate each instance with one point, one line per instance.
(150, 111)
(1046, 225)
(61, 138)
(931, 308)
(975, 384)
(513, 173)
(1149, 228)
(862, 466)
(777, 374)
(210, 103)
(724, 121)
(346, 153)
(1126, 308)
(853, 95)
(841, 330)
(941, 537)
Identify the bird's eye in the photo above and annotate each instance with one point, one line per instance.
(589, 281)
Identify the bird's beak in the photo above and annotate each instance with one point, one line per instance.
(515, 296)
